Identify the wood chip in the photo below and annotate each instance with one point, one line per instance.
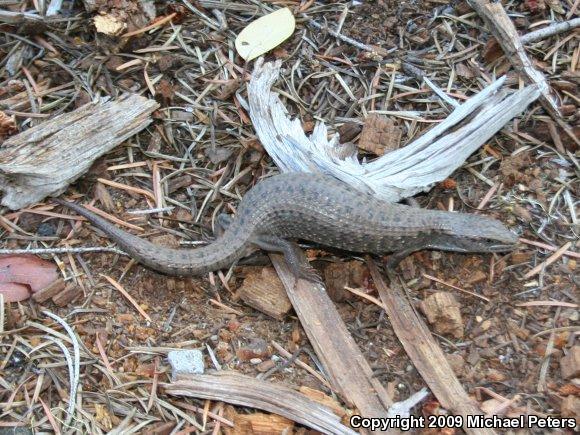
(109, 24)
(339, 275)
(442, 311)
(263, 290)
(261, 424)
(379, 135)
(45, 159)
(49, 291)
(70, 293)
(349, 372)
(320, 397)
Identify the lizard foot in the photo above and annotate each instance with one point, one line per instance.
(308, 273)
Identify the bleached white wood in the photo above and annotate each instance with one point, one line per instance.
(400, 173)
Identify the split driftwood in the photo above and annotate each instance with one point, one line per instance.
(349, 373)
(424, 352)
(237, 389)
(45, 159)
(504, 31)
(399, 174)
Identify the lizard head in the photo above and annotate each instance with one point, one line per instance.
(473, 233)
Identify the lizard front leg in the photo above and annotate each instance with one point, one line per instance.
(288, 249)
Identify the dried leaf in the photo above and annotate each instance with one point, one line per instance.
(21, 275)
(265, 33)
(14, 292)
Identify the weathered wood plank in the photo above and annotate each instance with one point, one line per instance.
(45, 159)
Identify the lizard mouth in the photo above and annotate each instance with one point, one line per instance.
(501, 247)
(480, 246)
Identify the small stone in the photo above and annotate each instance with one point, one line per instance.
(186, 362)
(255, 361)
(46, 229)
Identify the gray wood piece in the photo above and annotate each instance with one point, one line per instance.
(45, 159)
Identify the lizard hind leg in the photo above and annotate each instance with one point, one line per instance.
(396, 257)
(291, 254)
(222, 222)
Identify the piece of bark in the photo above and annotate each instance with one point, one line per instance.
(263, 290)
(442, 311)
(379, 135)
(45, 159)
(424, 352)
(349, 131)
(49, 291)
(347, 368)
(341, 274)
(506, 34)
(237, 389)
(68, 295)
(570, 364)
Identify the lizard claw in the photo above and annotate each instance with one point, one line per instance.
(309, 273)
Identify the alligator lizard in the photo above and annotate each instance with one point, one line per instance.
(320, 209)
